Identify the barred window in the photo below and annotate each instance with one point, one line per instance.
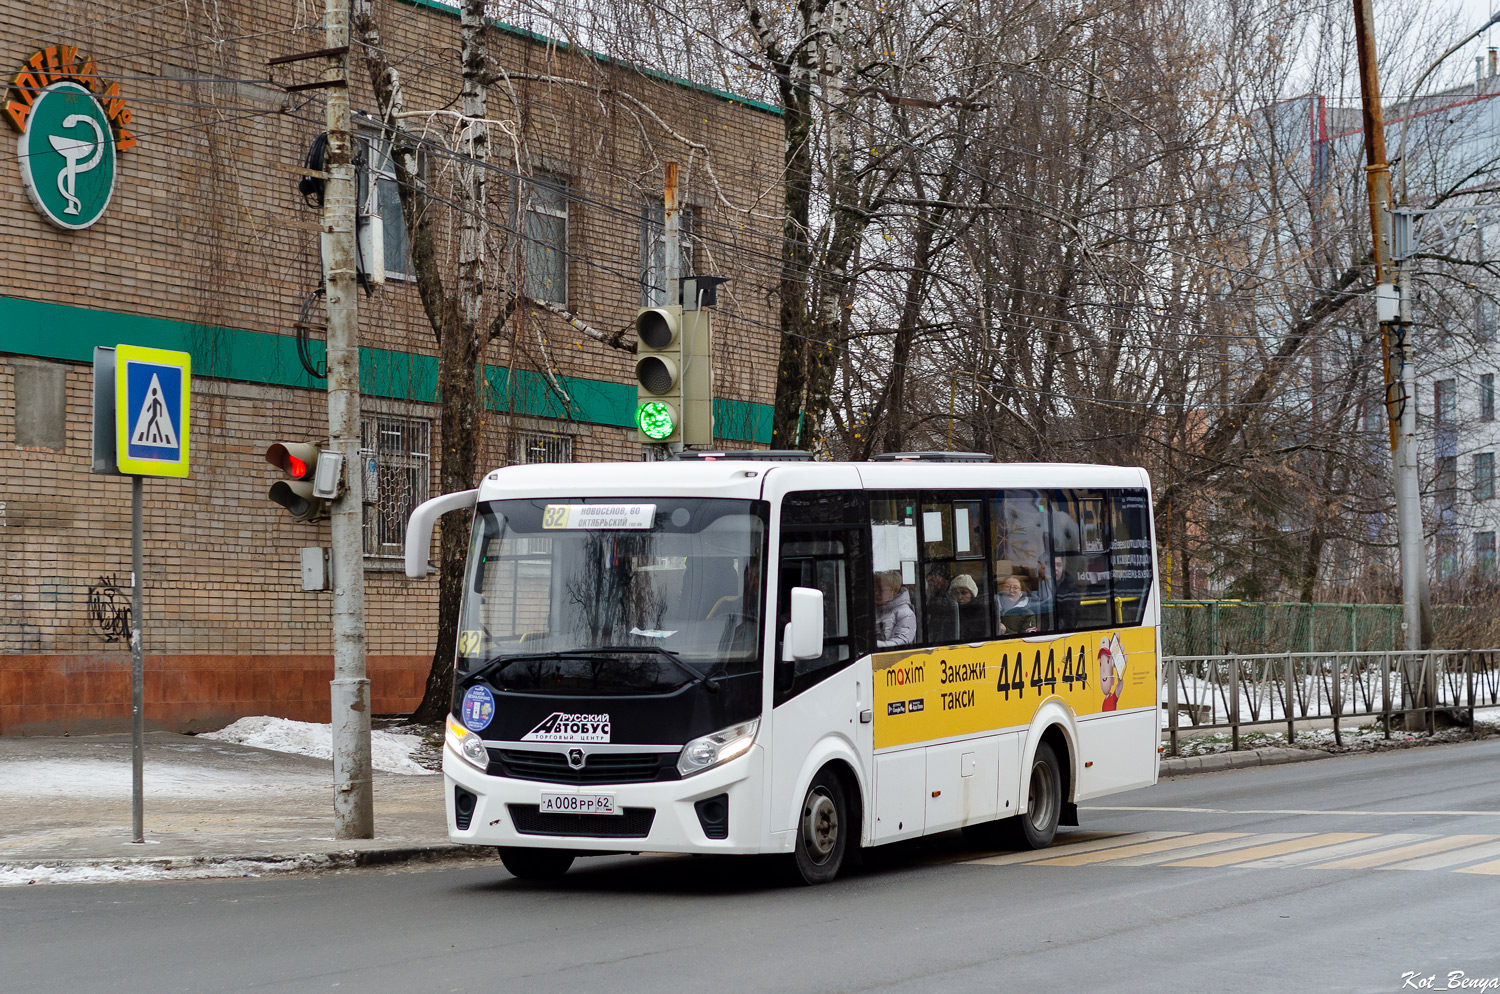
(536, 446)
(396, 454)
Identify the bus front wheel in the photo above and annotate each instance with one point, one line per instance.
(1036, 828)
(822, 830)
(536, 864)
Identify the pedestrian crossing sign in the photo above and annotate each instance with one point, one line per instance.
(152, 391)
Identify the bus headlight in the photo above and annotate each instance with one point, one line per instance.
(468, 745)
(720, 747)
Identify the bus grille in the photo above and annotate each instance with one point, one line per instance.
(601, 767)
(632, 823)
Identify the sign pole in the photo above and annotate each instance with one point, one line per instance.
(137, 668)
(142, 426)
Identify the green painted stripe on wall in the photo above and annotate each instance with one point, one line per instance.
(58, 331)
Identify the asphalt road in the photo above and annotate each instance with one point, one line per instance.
(1257, 906)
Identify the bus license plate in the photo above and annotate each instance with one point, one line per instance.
(578, 804)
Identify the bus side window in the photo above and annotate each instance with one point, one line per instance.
(893, 549)
(1080, 536)
(1130, 555)
(1025, 586)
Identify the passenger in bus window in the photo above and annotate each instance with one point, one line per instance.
(1017, 612)
(971, 619)
(1065, 595)
(895, 621)
(942, 612)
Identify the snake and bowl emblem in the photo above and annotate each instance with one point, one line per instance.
(67, 156)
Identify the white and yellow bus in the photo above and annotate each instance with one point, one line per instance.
(761, 654)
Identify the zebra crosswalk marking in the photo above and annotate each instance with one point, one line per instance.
(1139, 849)
(1397, 855)
(1273, 849)
(1442, 861)
(1243, 842)
(1492, 868)
(1334, 852)
(1124, 839)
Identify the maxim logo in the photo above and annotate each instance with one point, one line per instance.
(560, 726)
(900, 676)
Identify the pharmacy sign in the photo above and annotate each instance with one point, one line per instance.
(72, 128)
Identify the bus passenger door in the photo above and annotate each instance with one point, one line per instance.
(818, 703)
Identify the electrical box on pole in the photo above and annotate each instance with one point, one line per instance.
(699, 293)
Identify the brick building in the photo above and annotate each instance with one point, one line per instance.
(207, 247)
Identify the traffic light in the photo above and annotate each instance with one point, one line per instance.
(298, 460)
(658, 373)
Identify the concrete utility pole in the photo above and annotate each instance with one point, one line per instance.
(672, 250)
(353, 795)
(1400, 373)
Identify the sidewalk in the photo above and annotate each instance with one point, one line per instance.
(65, 804)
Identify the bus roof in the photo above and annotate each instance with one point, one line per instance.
(746, 479)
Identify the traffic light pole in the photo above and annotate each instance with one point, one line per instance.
(353, 794)
(672, 251)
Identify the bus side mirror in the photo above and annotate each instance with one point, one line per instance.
(803, 636)
(419, 527)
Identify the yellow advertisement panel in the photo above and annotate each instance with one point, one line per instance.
(939, 693)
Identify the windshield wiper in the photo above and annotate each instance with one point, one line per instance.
(497, 664)
(708, 680)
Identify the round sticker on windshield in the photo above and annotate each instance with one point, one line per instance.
(479, 709)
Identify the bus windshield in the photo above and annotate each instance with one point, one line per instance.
(596, 595)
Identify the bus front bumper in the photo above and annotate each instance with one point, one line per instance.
(662, 816)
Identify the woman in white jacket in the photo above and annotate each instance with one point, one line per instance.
(895, 621)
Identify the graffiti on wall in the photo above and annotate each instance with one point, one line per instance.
(109, 609)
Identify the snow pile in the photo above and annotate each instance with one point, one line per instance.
(389, 751)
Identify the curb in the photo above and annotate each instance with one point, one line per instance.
(1215, 762)
(192, 866)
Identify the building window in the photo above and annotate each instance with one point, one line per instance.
(536, 447)
(1487, 397)
(654, 252)
(1447, 555)
(544, 247)
(1484, 475)
(396, 455)
(1447, 482)
(1484, 552)
(1443, 402)
(381, 195)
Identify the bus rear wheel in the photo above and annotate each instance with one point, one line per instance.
(822, 830)
(1038, 826)
(536, 864)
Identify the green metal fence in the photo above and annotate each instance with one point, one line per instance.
(1193, 628)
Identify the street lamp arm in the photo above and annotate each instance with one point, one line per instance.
(1416, 89)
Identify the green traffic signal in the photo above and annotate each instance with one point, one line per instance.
(656, 419)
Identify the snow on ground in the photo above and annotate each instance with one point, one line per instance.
(99, 777)
(21, 876)
(1355, 738)
(389, 751)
